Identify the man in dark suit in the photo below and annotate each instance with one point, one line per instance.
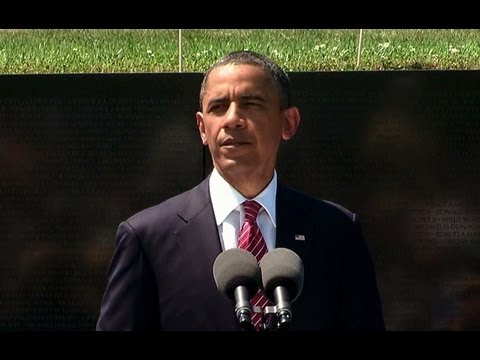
(161, 276)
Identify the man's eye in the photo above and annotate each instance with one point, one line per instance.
(216, 108)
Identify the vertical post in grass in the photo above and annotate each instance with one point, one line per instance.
(180, 55)
(359, 49)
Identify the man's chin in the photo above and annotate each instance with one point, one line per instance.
(235, 167)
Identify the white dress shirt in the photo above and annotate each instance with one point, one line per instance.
(230, 214)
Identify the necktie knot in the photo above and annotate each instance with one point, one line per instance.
(251, 210)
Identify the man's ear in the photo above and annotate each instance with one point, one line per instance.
(201, 127)
(291, 120)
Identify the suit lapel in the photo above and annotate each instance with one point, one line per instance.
(294, 229)
(199, 219)
(200, 243)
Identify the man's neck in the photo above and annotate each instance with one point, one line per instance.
(249, 186)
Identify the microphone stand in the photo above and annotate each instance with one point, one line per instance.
(268, 318)
(275, 320)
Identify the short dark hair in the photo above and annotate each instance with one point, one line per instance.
(278, 76)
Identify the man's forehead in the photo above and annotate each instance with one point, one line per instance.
(226, 77)
(239, 71)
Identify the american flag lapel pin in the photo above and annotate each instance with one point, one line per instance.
(299, 237)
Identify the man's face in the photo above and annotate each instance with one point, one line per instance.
(242, 121)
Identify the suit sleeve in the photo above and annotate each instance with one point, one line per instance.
(362, 307)
(130, 301)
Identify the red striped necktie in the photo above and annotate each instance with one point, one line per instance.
(251, 239)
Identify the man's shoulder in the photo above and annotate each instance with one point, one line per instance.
(340, 209)
(317, 204)
(170, 207)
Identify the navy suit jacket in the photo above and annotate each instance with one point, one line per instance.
(161, 277)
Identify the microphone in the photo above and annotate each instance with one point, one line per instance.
(237, 275)
(282, 277)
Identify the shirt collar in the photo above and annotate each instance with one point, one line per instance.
(225, 198)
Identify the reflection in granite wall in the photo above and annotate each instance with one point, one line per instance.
(80, 153)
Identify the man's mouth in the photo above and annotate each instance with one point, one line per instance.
(233, 143)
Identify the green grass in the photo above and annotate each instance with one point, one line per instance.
(426, 49)
(120, 51)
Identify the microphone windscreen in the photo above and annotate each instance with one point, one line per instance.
(236, 267)
(282, 267)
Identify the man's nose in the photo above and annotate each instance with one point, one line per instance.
(233, 117)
